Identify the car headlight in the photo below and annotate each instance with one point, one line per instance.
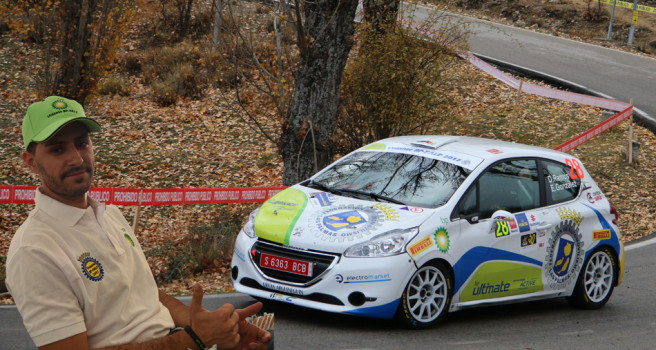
(249, 227)
(386, 244)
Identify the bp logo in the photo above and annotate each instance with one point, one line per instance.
(442, 239)
(127, 236)
(347, 222)
(59, 104)
(564, 254)
(91, 267)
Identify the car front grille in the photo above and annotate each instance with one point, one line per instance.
(321, 262)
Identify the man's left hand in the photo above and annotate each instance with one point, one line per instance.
(251, 337)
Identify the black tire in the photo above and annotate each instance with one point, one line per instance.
(426, 298)
(596, 280)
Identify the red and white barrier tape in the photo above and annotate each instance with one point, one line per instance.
(154, 196)
(533, 89)
(596, 130)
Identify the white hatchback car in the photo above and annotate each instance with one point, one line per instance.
(413, 227)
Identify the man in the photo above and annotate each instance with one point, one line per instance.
(77, 272)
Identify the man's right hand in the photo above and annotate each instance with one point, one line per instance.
(218, 327)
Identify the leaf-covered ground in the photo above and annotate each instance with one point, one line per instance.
(204, 144)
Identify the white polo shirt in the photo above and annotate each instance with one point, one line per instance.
(73, 270)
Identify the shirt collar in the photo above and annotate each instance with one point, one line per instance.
(68, 215)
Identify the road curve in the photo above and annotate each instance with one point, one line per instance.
(579, 66)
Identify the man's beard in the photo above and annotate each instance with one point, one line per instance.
(57, 186)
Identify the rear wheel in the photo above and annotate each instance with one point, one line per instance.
(426, 298)
(596, 280)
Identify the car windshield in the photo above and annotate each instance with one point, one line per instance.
(392, 177)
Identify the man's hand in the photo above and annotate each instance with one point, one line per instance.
(218, 327)
(251, 336)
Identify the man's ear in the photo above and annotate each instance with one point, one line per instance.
(28, 159)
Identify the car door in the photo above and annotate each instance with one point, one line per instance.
(562, 245)
(503, 259)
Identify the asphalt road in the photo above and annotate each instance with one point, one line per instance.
(626, 322)
(580, 66)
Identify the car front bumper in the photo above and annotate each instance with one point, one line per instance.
(369, 287)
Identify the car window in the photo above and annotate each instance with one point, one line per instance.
(560, 187)
(511, 185)
(410, 179)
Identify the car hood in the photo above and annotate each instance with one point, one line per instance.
(306, 218)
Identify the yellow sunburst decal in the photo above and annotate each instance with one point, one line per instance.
(442, 239)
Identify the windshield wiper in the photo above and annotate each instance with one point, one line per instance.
(341, 191)
(320, 186)
(375, 196)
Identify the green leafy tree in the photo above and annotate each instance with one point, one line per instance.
(392, 85)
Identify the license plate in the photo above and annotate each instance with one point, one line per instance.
(286, 264)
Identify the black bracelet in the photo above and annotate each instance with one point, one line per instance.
(195, 338)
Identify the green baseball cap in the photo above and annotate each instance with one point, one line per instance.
(45, 118)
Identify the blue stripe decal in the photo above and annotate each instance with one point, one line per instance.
(614, 238)
(386, 311)
(476, 256)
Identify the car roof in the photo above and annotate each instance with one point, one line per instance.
(488, 149)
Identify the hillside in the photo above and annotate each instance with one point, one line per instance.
(203, 143)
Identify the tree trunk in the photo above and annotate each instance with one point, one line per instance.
(70, 81)
(306, 139)
(218, 21)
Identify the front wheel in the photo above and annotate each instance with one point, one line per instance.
(426, 298)
(596, 280)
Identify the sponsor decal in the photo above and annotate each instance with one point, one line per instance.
(342, 220)
(420, 246)
(380, 277)
(281, 297)
(525, 284)
(513, 225)
(91, 267)
(593, 197)
(277, 217)
(322, 199)
(281, 288)
(442, 240)
(240, 255)
(428, 142)
(388, 211)
(564, 254)
(601, 235)
(461, 159)
(347, 222)
(415, 210)
(529, 240)
(486, 288)
(522, 222)
(569, 214)
(501, 279)
(494, 151)
(374, 147)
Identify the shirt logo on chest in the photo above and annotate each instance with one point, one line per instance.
(91, 267)
(127, 237)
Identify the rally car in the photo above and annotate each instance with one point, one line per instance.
(414, 227)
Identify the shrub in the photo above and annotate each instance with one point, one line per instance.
(114, 86)
(207, 247)
(392, 86)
